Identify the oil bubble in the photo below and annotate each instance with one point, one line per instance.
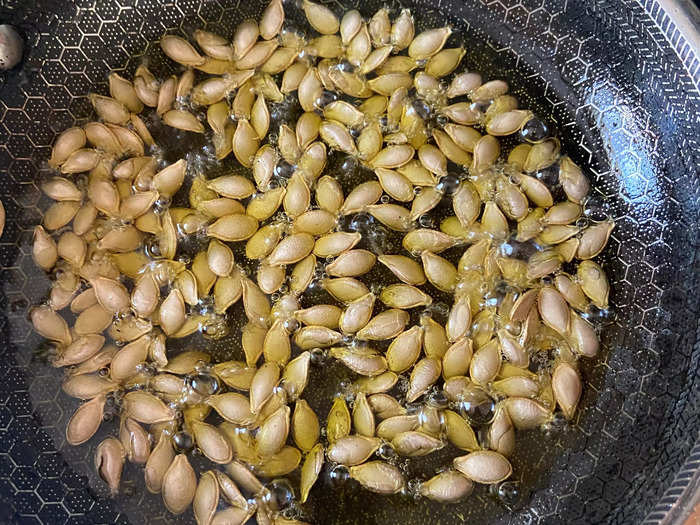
(477, 406)
(534, 131)
(448, 184)
(339, 475)
(183, 441)
(549, 175)
(280, 494)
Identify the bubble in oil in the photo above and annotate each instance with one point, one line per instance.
(339, 475)
(448, 184)
(284, 170)
(549, 175)
(325, 98)
(534, 131)
(279, 494)
(556, 424)
(387, 452)
(203, 384)
(508, 492)
(437, 399)
(422, 108)
(319, 356)
(477, 407)
(596, 209)
(183, 441)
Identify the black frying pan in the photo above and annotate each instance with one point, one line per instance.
(625, 102)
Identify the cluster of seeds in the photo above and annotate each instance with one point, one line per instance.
(503, 359)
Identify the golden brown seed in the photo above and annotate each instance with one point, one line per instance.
(405, 268)
(567, 387)
(594, 283)
(310, 470)
(386, 325)
(484, 466)
(357, 314)
(429, 42)
(526, 413)
(351, 263)
(379, 477)
(234, 227)
(315, 222)
(179, 485)
(297, 199)
(262, 385)
(206, 498)
(405, 349)
(50, 325)
(44, 249)
(361, 196)
(345, 289)
(439, 271)
(85, 421)
(361, 360)
(339, 421)
(333, 244)
(404, 296)
(423, 376)
(109, 462)
(68, 142)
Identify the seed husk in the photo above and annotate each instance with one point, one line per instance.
(361, 360)
(423, 376)
(353, 449)
(404, 296)
(44, 249)
(68, 142)
(206, 498)
(357, 314)
(146, 408)
(379, 477)
(594, 283)
(109, 462)
(309, 337)
(447, 487)
(345, 289)
(554, 311)
(428, 43)
(405, 349)
(85, 421)
(361, 196)
(296, 375)
(386, 325)
(526, 413)
(310, 470)
(484, 466)
(567, 387)
(212, 442)
(179, 485)
(50, 325)
(262, 385)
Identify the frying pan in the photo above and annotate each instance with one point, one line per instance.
(617, 80)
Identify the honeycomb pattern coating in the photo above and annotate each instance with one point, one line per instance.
(624, 105)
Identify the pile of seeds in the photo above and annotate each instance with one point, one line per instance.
(504, 358)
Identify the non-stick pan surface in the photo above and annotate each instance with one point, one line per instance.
(624, 104)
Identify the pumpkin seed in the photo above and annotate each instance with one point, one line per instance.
(263, 241)
(428, 43)
(377, 384)
(484, 466)
(310, 470)
(379, 477)
(85, 421)
(109, 462)
(179, 485)
(424, 374)
(262, 385)
(526, 413)
(594, 283)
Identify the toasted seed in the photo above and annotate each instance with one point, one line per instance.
(573, 181)
(88, 386)
(444, 62)
(388, 83)
(379, 477)
(44, 249)
(484, 466)
(273, 432)
(309, 337)
(264, 205)
(357, 314)
(234, 227)
(415, 443)
(485, 363)
(594, 283)
(456, 360)
(361, 360)
(526, 413)
(206, 498)
(566, 386)
(321, 18)
(184, 120)
(333, 244)
(50, 325)
(428, 43)
(92, 320)
(404, 296)
(109, 462)
(392, 156)
(81, 160)
(405, 268)
(180, 50)
(386, 325)
(423, 376)
(179, 485)
(440, 272)
(284, 462)
(315, 222)
(310, 470)
(125, 364)
(593, 239)
(68, 142)
(262, 385)
(459, 432)
(345, 289)
(85, 421)
(339, 422)
(297, 199)
(361, 196)
(353, 449)
(377, 384)
(385, 406)
(583, 336)
(553, 309)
